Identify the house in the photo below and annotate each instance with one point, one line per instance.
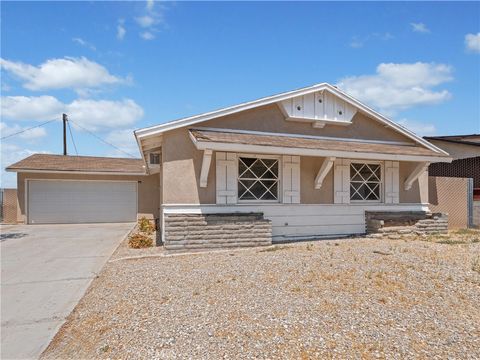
(301, 164)
(465, 151)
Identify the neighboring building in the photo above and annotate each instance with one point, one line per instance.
(309, 161)
(465, 151)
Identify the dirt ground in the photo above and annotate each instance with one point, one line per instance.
(351, 298)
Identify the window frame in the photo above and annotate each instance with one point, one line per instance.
(150, 158)
(279, 182)
(382, 180)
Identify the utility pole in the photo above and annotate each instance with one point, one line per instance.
(65, 119)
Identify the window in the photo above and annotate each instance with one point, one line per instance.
(365, 182)
(154, 158)
(257, 179)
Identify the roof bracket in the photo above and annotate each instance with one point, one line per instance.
(322, 173)
(415, 174)
(207, 159)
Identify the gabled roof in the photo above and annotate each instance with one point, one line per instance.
(79, 164)
(161, 128)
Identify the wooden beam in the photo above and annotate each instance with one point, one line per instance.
(207, 159)
(415, 174)
(322, 173)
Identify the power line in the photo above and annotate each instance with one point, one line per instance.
(99, 138)
(71, 135)
(22, 131)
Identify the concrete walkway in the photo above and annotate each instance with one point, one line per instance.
(46, 269)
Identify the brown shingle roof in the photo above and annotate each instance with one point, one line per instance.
(213, 135)
(48, 162)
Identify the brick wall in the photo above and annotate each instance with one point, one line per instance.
(197, 231)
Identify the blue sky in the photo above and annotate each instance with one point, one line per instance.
(118, 66)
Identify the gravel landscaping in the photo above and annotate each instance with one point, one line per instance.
(351, 298)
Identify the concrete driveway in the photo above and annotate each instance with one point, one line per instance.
(46, 269)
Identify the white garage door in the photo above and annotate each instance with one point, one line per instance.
(57, 202)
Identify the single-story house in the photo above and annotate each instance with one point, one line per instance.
(301, 164)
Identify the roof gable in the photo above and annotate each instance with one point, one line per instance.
(340, 103)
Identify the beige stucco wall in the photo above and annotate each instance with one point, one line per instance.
(419, 191)
(148, 189)
(270, 118)
(309, 167)
(182, 163)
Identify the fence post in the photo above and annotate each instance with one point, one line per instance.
(470, 202)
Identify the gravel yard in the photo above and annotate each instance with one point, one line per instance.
(355, 298)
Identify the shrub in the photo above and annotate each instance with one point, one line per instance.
(138, 241)
(145, 225)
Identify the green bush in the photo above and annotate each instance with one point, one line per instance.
(139, 241)
(146, 226)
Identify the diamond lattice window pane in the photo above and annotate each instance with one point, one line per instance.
(365, 182)
(257, 179)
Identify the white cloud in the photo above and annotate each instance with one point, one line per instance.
(31, 107)
(472, 42)
(358, 42)
(149, 5)
(31, 134)
(91, 114)
(145, 21)
(84, 43)
(121, 31)
(150, 20)
(400, 86)
(75, 73)
(125, 140)
(147, 35)
(419, 128)
(420, 28)
(101, 114)
(11, 153)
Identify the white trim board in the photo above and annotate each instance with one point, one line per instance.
(158, 129)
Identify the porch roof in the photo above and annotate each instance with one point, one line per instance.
(293, 144)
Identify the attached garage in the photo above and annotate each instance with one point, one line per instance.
(63, 202)
(58, 189)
